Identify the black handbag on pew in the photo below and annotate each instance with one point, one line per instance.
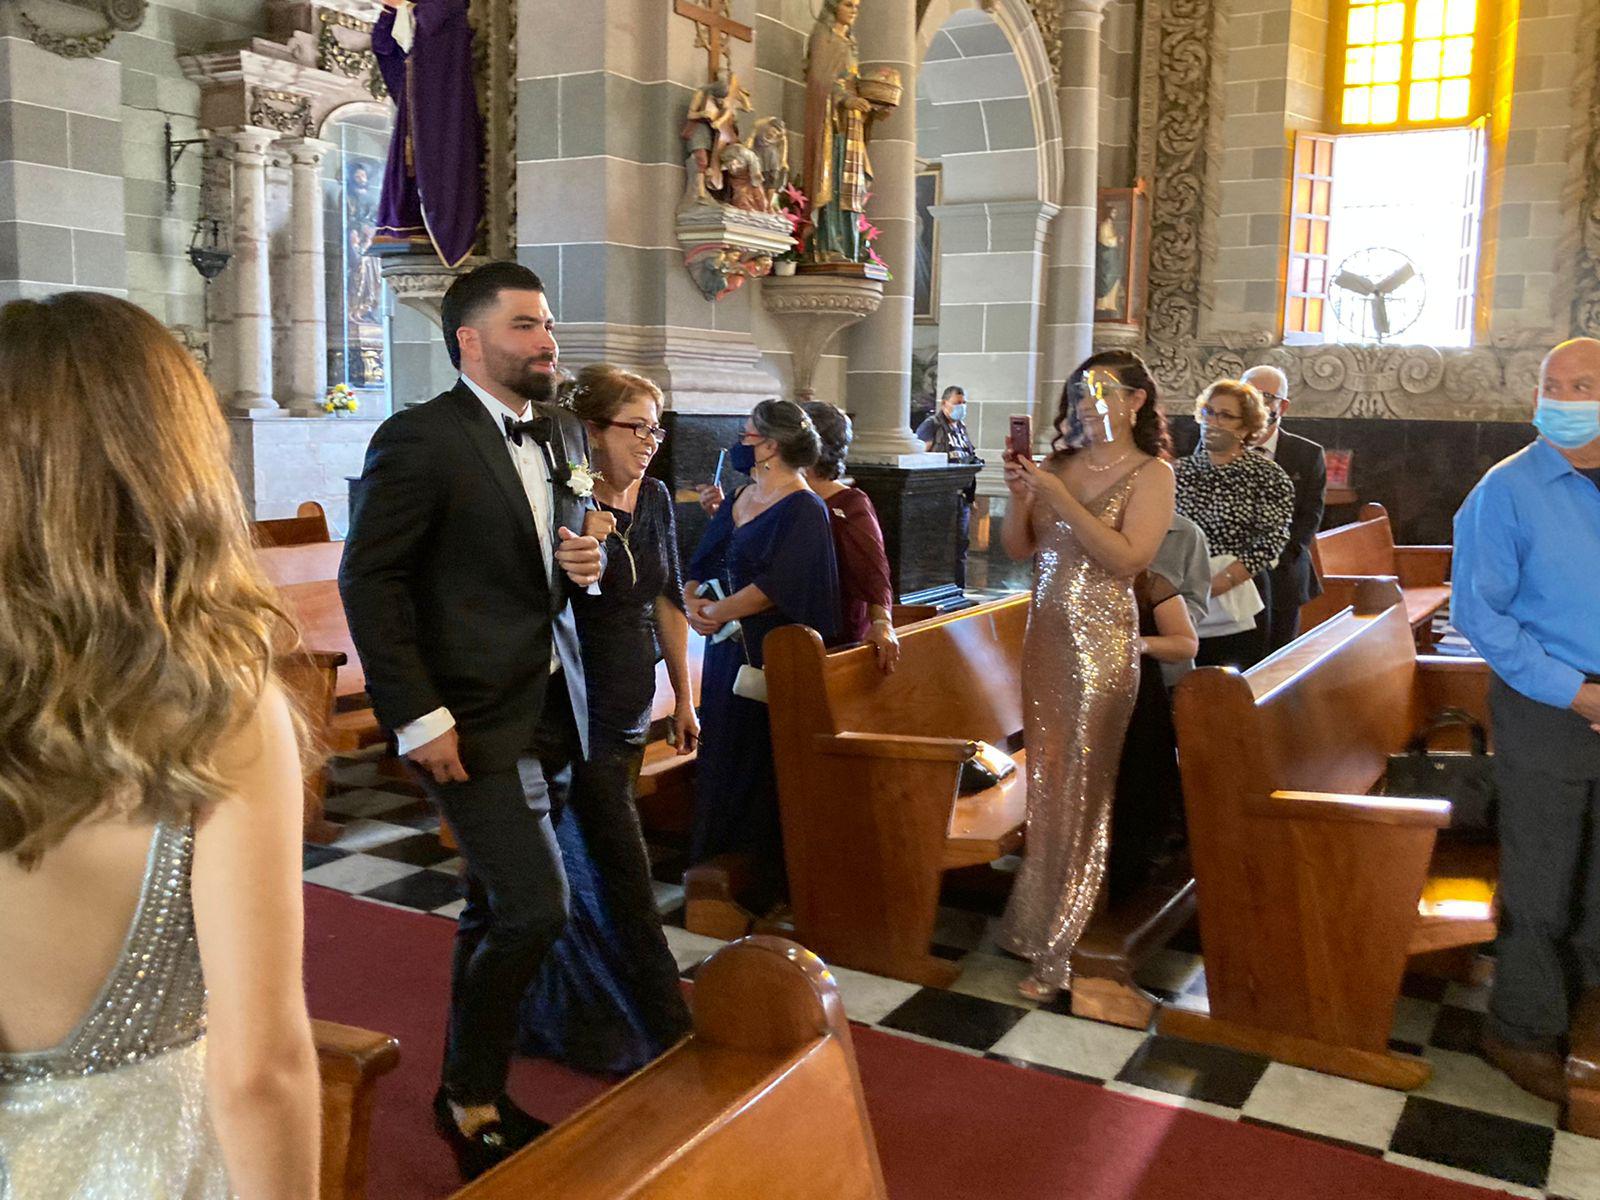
(984, 768)
(1463, 777)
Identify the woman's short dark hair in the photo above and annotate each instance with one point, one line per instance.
(786, 423)
(834, 428)
(1149, 426)
(476, 290)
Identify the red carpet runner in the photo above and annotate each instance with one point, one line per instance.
(950, 1126)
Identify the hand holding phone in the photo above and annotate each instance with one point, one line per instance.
(1020, 439)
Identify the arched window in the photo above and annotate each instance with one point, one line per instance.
(358, 303)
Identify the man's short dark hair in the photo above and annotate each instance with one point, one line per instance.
(955, 389)
(477, 290)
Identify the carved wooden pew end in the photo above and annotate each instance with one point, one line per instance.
(350, 1061)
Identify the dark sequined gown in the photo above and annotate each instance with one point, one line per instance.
(1080, 675)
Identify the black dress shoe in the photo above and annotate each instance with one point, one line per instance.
(476, 1152)
(521, 1126)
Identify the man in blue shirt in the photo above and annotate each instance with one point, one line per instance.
(1527, 595)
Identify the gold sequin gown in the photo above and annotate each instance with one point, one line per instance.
(117, 1110)
(1080, 677)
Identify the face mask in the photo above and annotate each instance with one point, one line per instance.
(1219, 440)
(1568, 423)
(958, 412)
(742, 458)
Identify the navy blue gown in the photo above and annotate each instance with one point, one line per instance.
(787, 552)
(607, 997)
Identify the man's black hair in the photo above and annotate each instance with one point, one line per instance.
(477, 290)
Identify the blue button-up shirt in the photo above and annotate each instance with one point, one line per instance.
(1527, 574)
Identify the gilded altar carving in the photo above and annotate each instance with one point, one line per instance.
(494, 55)
(353, 59)
(287, 112)
(79, 28)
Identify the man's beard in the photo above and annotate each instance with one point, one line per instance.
(523, 377)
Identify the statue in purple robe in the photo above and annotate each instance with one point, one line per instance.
(433, 186)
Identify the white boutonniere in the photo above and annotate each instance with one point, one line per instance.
(580, 480)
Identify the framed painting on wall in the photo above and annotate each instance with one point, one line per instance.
(1122, 255)
(925, 292)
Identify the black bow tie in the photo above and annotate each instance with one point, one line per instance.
(538, 428)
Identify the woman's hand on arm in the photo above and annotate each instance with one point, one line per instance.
(746, 602)
(696, 608)
(883, 640)
(1175, 639)
(673, 629)
(261, 1064)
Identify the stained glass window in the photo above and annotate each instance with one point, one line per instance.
(1408, 63)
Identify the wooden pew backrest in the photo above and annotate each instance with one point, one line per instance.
(1363, 547)
(309, 563)
(762, 1100)
(308, 525)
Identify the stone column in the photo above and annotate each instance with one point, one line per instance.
(252, 281)
(308, 302)
(878, 385)
(1079, 103)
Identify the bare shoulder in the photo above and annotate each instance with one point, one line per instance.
(263, 737)
(1155, 474)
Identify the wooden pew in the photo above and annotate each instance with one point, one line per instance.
(350, 1062)
(308, 676)
(309, 524)
(1582, 1114)
(1313, 893)
(868, 767)
(665, 792)
(761, 1100)
(1365, 547)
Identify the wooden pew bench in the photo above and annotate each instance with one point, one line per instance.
(350, 1061)
(868, 767)
(1366, 548)
(761, 1100)
(1315, 894)
(309, 524)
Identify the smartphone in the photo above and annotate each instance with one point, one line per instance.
(1020, 442)
(716, 477)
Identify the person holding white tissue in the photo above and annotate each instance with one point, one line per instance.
(1527, 596)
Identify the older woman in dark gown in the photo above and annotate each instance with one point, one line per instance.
(608, 998)
(770, 548)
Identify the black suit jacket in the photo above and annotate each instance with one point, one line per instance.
(1307, 468)
(444, 583)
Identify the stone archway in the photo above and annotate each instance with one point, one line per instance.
(987, 116)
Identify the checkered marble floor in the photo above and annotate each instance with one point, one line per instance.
(1468, 1123)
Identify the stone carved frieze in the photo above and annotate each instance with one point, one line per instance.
(350, 56)
(78, 28)
(1492, 381)
(287, 112)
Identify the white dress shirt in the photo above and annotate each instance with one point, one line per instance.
(534, 470)
(1270, 446)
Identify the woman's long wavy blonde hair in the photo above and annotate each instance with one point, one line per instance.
(136, 631)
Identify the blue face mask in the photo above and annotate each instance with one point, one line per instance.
(1568, 423)
(742, 458)
(958, 412)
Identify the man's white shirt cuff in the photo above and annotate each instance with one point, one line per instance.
(424, 729)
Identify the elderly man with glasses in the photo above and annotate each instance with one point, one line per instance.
(1294, 577)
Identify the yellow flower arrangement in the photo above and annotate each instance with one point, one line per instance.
(341, 398)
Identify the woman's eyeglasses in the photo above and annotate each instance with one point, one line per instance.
(642, 430)
(1207, 413)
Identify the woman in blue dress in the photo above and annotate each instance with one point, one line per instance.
(607, 997)
(770, 550)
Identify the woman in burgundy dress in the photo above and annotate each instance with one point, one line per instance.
(864, 589)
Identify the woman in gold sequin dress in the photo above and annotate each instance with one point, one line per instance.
(1092, 516)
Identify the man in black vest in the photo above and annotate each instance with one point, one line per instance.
(1294, 579)
(461, 553)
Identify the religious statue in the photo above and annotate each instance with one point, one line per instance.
(839, 100)
(433, 186)
(770, 141)
(1109, 269)
(743, 179)
(364, 277)
(711, 126)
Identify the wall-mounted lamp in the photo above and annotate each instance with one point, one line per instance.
(210, 246)
(174, 154)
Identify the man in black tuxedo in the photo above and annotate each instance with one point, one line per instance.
(1294, 579)
(455, 581)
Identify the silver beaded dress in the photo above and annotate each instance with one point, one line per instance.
(117, 1110)
(1080, 677)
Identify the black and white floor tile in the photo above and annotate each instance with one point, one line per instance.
(1468, 1123)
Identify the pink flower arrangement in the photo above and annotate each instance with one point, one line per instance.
(870, 233)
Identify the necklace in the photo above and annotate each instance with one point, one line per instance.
(1124, 457)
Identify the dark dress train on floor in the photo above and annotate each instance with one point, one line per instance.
(607, 997)
(1147, 810)
(787, 552)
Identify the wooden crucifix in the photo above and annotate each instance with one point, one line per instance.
(716, 27)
